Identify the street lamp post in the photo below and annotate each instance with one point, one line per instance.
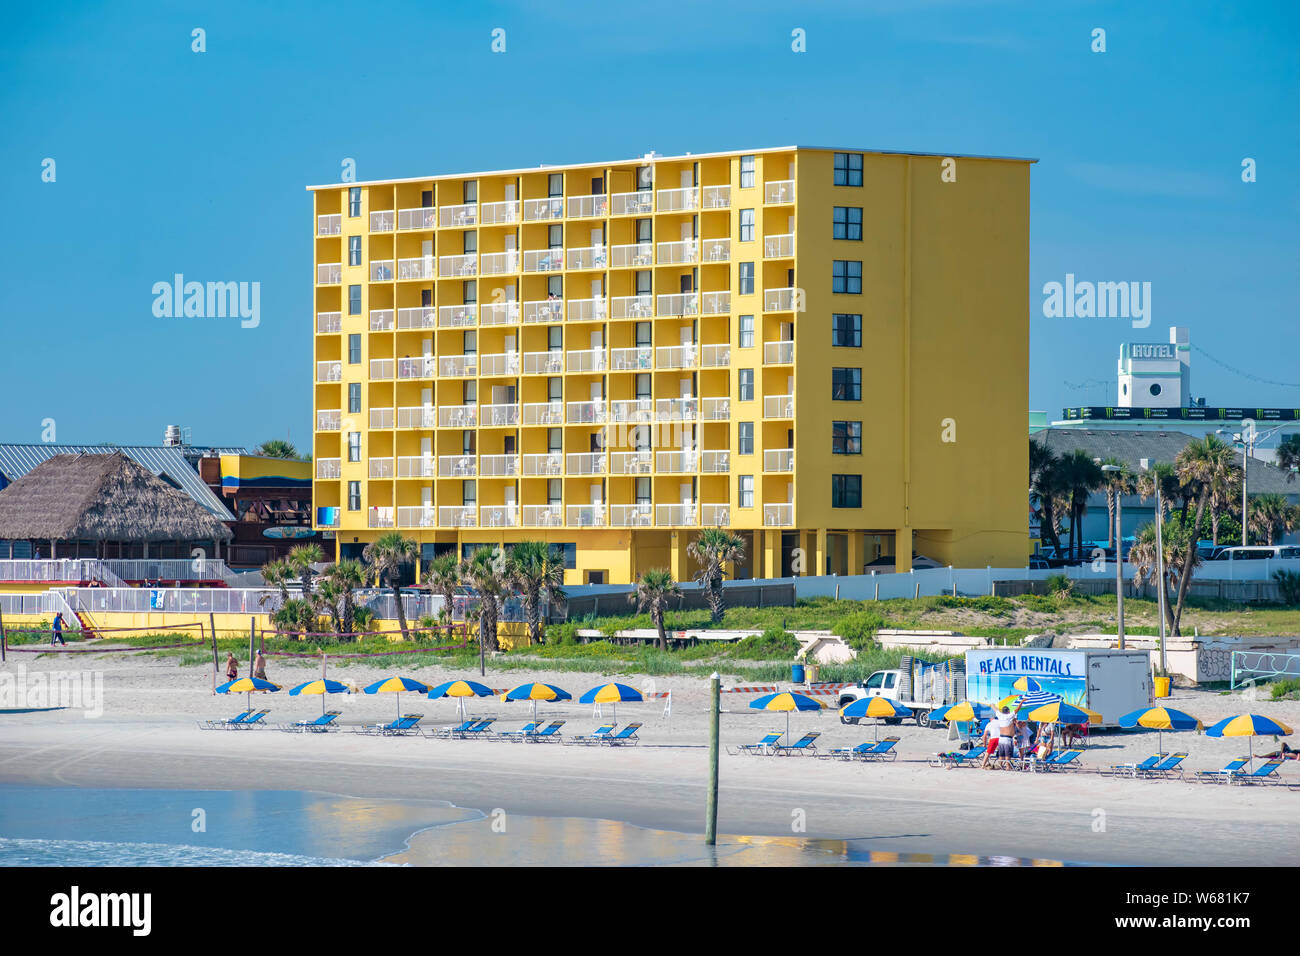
(1147, 464)
(1247, 438)
(1119, 556)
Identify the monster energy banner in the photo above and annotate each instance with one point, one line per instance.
(1197, 414)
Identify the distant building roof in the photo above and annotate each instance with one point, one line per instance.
(175, 463)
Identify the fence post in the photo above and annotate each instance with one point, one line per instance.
(216, 666)
(252, 636)
(3, 639)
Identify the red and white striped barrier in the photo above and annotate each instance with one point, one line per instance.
(750, 690)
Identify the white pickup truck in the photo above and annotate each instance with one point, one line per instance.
(918, 686)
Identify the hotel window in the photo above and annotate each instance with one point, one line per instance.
(848, 222)
(846, 330)
(846, 384)
(642, 490)
(354, 250)
(746, 172)
(746, 225)
(354, 349)
(643, 386)
(746, 331)
(471, 192)
(746, 384)
(555, 184)
(848, 169)
(846, 438)
(468, 493)
(354, 446)
(746, 491)
(643, 339)
(555, 237)
(469, 342)
(354, 300)
(354, 398)
(644, 231)
(554, 491)
(747, 278)
(643, 283)
(566, 552)
(354, 496)
(354, 202)
(469, 291)
(846, 276)
(469, 244)
(745, 438)
(554, 338)
(846, 491)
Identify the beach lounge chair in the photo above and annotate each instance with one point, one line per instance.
(761, 747)
(958, 758)
(600, 733)
(460, 728)
(256, 721)
(624, 738)
(1230, 769)
(1068, 760)
(804, 745)
(1133, 769)
(406, 725)
(223, 722)
(1265, 773)
(524, 731)
(321, 725)
(879, 750)
(550, 733)
(1171, 766)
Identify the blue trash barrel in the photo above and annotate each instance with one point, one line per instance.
(796, 673)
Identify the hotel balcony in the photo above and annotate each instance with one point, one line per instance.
(458, 217)
(640, 203)
(382, 221)
(585, 310)
(381, 270)
(456, 516)
(676, 409)
(544, 310)
(779, 192)
(381, 468)
(676, 356)
(418, 218)
(586, 413)
(327, 522)
(537, 210)
(499, 363)
(329, 421)
(328, 467)
(717, 197)
(381, 370)
(329, 225)
(498, 263)
(778, 459)
(381, 418)
(416, 368)
(632, 307)
(715, 516)
(498, 516)
(778, 353)
(417, 516)
(678, 303)
(778, 300)
(778, 516)
(498, 466)
(588, 207)
(715, 303)
(421, 317)
(676, 462)
(631, 516)
(586, 516)
(417, 416)
(458, 366)
(640, 410)
(586, 360)
(586, 463)
(715, 462)
(543, 516)
(715, 356)
(457, 316)
(416, 466)
(678, 253)
(778, 406)
(457, 416)
(329, 322)
(715, 409)
(457, 466)
(633, 255)
(381, 320)
(498, 416)
(460, 266)
(544, 413)
(672, 516)
(631, 462)
(679, 200)
(543, 260)
(544, 363)
(329, 273)
(498, 313)
(550, 465)
(640, 358)
(381, 518)
(716, 250)
(589, 257)
(329, 371)
(778, 247)
(499, 213)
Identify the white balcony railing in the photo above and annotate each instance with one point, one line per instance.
(589, 257)
(382, 369)
(498, 466)
(715, 409)
(382, 221)
(672, 516)
(328, 467)
(636, 410)
(381, 270)
(540, 209)
(543, 516)
(676, 356)
(418, 416)
(419, 367)
(328, 322)
(676, 409)
(457, 416)
(678, 253)
(778, 406)
(498, 516)
(457, 316)
(586, 516)
(631, 462)
(778, 247)
(329, 371)
(544, 310)
(778, 353)
(588, 207)
(780, 191)
(457, 266)
(544, 363)
(715, 516)
(499, 213)
(543, 260)
(585, 463)
(637, 254)
(330, 420)
(715, 250)
(632, 307)
(380, 517)
(586, 413)
(631, 516)
(778, 300)
(416, 218)
(679, 200)
(778, 516)
(457, 466)
(417, 516)
(778, 459)
(381, 320)
(417, 466)
(551, 465)
(456, 516)
(329, 273)
(381, 467)
(677, 462)
(498, 416)
(416, 318)
(458, 217)
(678, 303)
(381, 418)
(544, 413)
(715, 356)
(585, 310)
(458, 366)
(498, 313)
(639, 203)
(586, 360)
(639, 358)
(498, 263)
(499, 363)
(715, 461)
(715, 303)
(717, 197)
(331, 225)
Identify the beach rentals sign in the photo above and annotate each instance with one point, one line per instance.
(991, 672)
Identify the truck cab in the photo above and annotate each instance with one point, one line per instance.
(879, 684)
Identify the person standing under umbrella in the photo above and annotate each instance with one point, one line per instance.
(232, 667)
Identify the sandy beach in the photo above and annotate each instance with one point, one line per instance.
(147, 737)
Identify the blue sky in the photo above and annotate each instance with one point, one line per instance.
(173, 161)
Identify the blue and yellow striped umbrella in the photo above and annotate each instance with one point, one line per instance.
(246, 686)
(881, 708)
(1059, 713)
(1160, 719)
(1249, 725)
(786, 702)
(536, 692)
(1026, 684)
(321, 686)
(395, 685)
(967, 710)
(460, 689)
(611, 693)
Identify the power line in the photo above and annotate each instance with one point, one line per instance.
(1245, 375)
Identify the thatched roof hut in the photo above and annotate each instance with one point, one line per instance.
(102, 498)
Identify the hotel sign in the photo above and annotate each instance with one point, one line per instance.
(1143, 350)
(1196, 414)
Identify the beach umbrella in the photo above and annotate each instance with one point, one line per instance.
(1160, 719)
(611, 693)
(881, 708)
(460, 689)
(1026, 684)
(965, 711)
(395, 685)
(536, 692)
(786, 702)
(246, 685)
(320, 686)
(1249, 725)
(1059, 713)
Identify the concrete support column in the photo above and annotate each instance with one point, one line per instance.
(756, 555)
(678, 557)
(822, 552)
(808, 545)
(903, 550)
(771, 554)
(856, 553)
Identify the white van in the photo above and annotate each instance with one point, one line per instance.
(1259, 552)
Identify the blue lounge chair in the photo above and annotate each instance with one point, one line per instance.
(524, 731)
(406, 725)
(1133, 769)
(624, 738)
(1068, 760)
(882, 751)
(550, 733)
(1169, 767)
(481, 728)
(1265, 773)
(761, 747)
(804, 745)
(257, 720)
(321, 725)
(1229, 770)
(599, 734)
(223, 722)
(460, 728)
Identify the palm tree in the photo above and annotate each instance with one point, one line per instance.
(1117, 483)
(1081, 476)
(295, 616)
(347, 576)
(1175, 535)
(327, 597)
(386, 555)
(484, 572)
(1201, 463)
(1225, 492)
(713, 549)
(653, 589)
(278, 574)
(277, 448)
(1271, 516)
(442, 576)
(1288, 456)
(301, 558)
(1044, 486)
(538, 576)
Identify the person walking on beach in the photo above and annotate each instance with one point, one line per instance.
(56, 635)
(1005, 724)
(259, 666)
(232, 667)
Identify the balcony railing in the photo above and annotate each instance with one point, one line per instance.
(412, 368)
(499, 363)
(331, 225)
(328, 467)
(631, 462)
(329, 421)
(778, 406)
(498, 416)
(540, 209)
(381, 320)
(640, 203)
(585, 310)
(676, 409)
(381, 418)
(778, 247)
(589, 257)
(458, 266)
(551, 465)
(676, 356)
(544, 310)
(780, 191)
(586, 413)
(329, 371)
(381, 270)
(778, 516)
(328, 322)
(421, 317)
(417, 218)
(640, 358)
(632, 307)
(457, 416)
(457, 466)
(678, 303)
(677, 253)
(417, 466)
(715, 303)
(632, 255)
(456, 516)
(380, 517)
(417, 516)
(499, 213)
(715, 516)
(498, 313)
(677, 462)
(544, 413)
(588, 207)
(715, 409)
(670, 516)
(543, 516)
(586, 360)
(382, 369)
(417, 416)
(457, 316)
(717, 197)
(586, 516)
(715, 356)
(498, 263)
(544, 363)
(498, 516)
(329, 273)
(715, 250)
(585, 463)
(498, 466)
(715, 461)
(543, 260)
(679, 200)
(778, 459)
(778, 353)
(381, 468)
(457, 217)
(458, 366)
(631, 516)
(636, 410)
(778, 300)
(382, 221)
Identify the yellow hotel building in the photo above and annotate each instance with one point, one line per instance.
(825, 350)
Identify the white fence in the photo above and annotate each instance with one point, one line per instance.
(115, 571)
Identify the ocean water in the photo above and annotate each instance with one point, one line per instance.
(65, 826)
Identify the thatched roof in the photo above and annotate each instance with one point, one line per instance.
(102, 498)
